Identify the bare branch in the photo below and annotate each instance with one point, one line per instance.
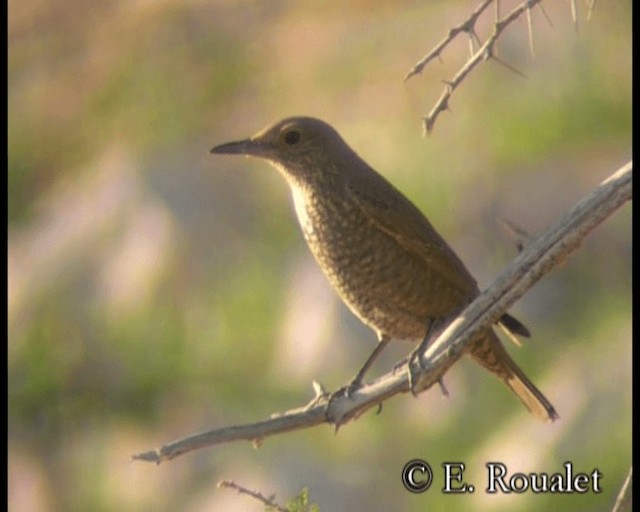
(624, 501)
(524, 271)
(520, 235)
(465, 26)
(267, 502)
(485, 52)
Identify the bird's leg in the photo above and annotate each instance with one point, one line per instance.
(357, 380)
(434, 327)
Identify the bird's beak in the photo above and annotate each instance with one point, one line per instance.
(241, 147)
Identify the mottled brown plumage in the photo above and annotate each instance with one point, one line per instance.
(380, 253)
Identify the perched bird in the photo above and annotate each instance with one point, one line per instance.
(380, 253)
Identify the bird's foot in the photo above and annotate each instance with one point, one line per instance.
(415, 357)
(347, 390)
(354, 385)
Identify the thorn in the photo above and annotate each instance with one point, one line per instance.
(510, 67)
(318, 389)
(574, 13)
(592, 6)
(530, 27)
(427, 125)
(411, 73)
(488, 54)
(545, 15)
(517, 233)
(473, 38)
(443, 388)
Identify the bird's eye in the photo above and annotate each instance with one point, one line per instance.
(292, 137)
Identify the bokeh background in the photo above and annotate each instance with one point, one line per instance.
(156, 290)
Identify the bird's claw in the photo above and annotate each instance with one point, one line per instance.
(353, 386)
(346, 391)
(413, 358)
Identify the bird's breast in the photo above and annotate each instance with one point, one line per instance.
(382, 283)
(300, 205)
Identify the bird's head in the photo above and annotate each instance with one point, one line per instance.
(298, 146)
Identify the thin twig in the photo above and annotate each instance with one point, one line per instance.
(624, 501)
(546, 15)
(485, 52)
(465, 26)
(530, 30)
(574, 13)
(268, 502)
(524, 271)
(520, 235)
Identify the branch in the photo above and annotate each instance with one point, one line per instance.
(484, 53)
(267, 502)
(467, 26)
(624, 501)
(524, 271)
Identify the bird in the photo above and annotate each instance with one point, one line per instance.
(384, 258)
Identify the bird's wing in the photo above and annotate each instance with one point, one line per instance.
(395, 215)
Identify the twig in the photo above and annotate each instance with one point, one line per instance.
(574, 13)
(466, 26)
(624, 501)
(485, 52)
(517, 233)
(530, 30)
(592, 6)
(546, 15)
(488, 50)
(524, 271)
(268, 502)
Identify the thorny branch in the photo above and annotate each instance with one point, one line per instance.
(486, 50)
(267, 502)
(524, 271)
(467, 26)
(624, 501)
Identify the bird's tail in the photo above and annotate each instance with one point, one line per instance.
(489, 353)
